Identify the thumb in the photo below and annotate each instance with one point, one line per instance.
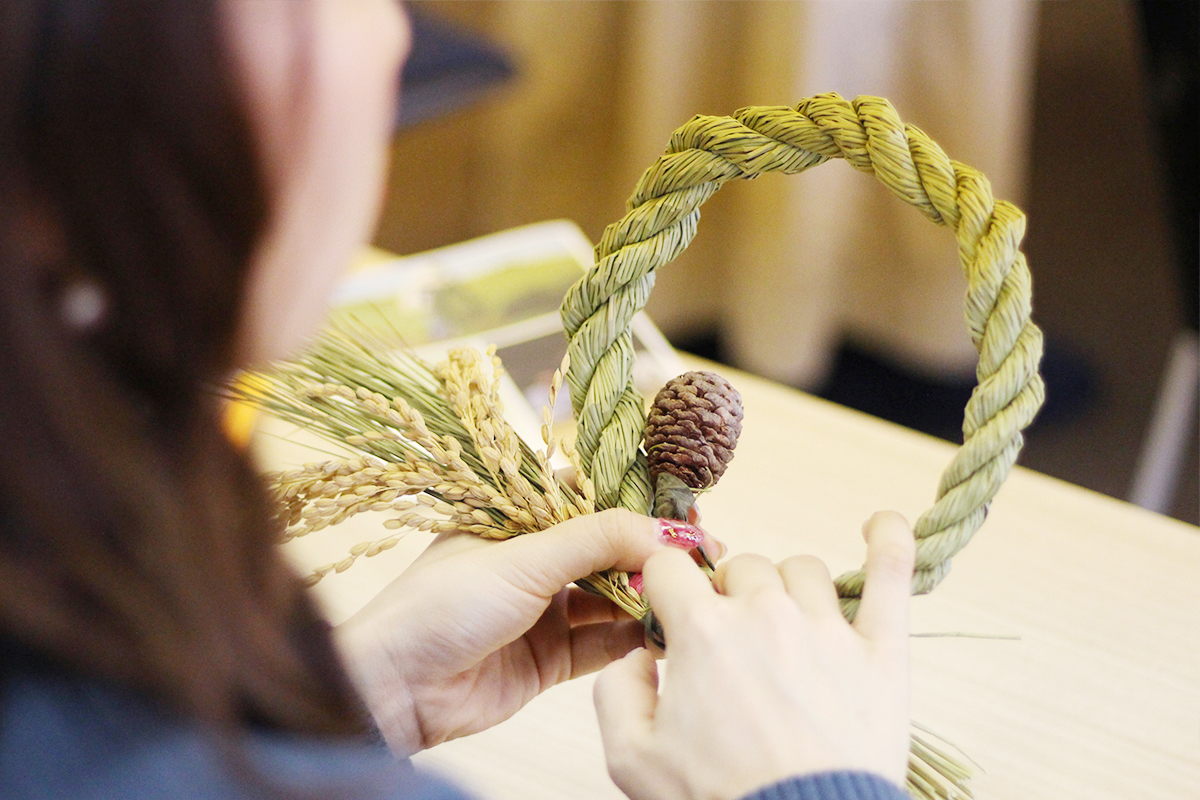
(626, 695)
(545, 561)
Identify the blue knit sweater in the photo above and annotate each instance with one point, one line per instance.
(61, 739)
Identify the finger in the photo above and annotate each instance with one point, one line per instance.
(545, 561)
(883, 613)
(595, 646)
(673, 586)
(807, 580)
(746, 573)
(448, 543)
(713, 546)
(689, 536)
(626, 695)
(585, 608)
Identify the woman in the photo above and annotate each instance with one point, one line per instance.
(179, 186)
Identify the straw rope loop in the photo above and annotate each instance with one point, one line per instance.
(661, 220)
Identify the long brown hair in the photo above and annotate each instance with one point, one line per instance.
(136, 544)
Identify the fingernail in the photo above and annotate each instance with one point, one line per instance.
(636, 582)
(680, 534)
(720, 547)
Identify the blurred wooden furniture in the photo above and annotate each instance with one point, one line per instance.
(1098, 698)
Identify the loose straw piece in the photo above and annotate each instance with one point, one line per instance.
(661, 220)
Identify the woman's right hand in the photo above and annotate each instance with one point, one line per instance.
(766, 679)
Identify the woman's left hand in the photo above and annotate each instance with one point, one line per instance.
(474, 629)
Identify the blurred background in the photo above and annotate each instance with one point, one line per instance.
(518, 112)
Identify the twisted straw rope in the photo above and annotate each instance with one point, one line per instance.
(661, 220)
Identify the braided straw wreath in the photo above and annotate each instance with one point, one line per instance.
(661, 221)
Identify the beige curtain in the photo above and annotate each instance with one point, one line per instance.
(785, 267)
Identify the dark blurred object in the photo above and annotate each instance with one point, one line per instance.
(1171, 38)
(447, 69)
(1171, 33)
(871, 383)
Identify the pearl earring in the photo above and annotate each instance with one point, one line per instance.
(83, 304)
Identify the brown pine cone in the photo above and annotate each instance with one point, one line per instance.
(693, 427)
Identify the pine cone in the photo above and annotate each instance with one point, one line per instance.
(693, 427)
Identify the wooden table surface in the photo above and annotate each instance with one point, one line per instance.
(1099, 698)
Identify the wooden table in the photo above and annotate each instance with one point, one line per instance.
(1098, 698)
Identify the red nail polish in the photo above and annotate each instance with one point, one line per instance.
(635, 582)
(680, 534)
